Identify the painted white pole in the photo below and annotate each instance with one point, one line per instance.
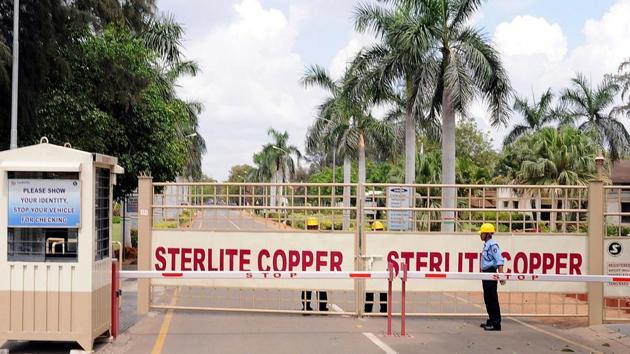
(14, 79)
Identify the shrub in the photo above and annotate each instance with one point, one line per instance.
(167, 224)
(617, 230)
(185, 217)
(134, 238)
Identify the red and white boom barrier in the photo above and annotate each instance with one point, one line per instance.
(372, 275)
(252, 275)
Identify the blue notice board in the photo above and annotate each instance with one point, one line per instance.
(44, 203)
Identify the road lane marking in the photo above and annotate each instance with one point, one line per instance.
(231, 222)
(166, 323)
(531, 326)
(551, 334)
(379, 343)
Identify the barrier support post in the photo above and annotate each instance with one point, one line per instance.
(145, 226)
(116, 292)
(359, 250)
(403, 299)
(596, 199)
(390, 269)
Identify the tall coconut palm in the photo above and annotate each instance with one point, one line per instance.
(535, 115)
(453, 64)
(345, 123)
(426, 126)
(591, 108)
(395, 61)
(345, 120)
(333, 111)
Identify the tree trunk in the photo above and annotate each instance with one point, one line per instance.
(361, 159)
(273, 190)
(410, 140)
(448, 162)
(347, 174)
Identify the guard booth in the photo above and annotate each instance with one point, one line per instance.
(55, 244)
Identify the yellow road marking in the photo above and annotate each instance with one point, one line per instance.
(531, 326)
(166, 323)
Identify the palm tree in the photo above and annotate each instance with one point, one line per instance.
(452, 64)
(426, 127)
(345, 119)
(345, 123)
(536, 115)
(280, 159)
(395, 62)
(564, 156)
(590, 108)
(623, 80)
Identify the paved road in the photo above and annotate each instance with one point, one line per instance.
(220, 332)
(231, 220)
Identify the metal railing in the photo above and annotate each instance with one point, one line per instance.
(334, 207)
(362, 209)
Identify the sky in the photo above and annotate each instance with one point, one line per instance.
(252, 54)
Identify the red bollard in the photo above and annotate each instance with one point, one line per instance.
(390, 268)
(402, 305)
(115, 299)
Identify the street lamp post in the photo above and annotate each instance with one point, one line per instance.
(14, 78)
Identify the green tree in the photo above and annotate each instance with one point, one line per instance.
(455, 63)
(114, 104)
(535, 115)
(551, 156)
(622, 78)
(240, 173)
(590, 108)
(88, 77)
(564, 156)
(276, 162)
(345, 119)
(395, 61)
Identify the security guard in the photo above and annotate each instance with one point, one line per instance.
(312, 223)
(382, 297)
(491, 261)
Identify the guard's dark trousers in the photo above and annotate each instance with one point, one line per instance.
(491, 298)
(322, 296)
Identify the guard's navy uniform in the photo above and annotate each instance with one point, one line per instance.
(491, 259)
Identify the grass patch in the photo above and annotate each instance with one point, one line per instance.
(116, 232)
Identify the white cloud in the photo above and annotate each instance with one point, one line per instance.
(607, 42)
(249, 82)
(344, 56)
(526, 35)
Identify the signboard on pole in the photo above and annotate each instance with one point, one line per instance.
(617, 262)
(399, 197)
(45, 203)
(131, 203)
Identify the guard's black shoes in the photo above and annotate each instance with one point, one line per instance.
(484, 324)
(492, 327)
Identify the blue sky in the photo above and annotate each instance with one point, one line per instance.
(253, 52)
